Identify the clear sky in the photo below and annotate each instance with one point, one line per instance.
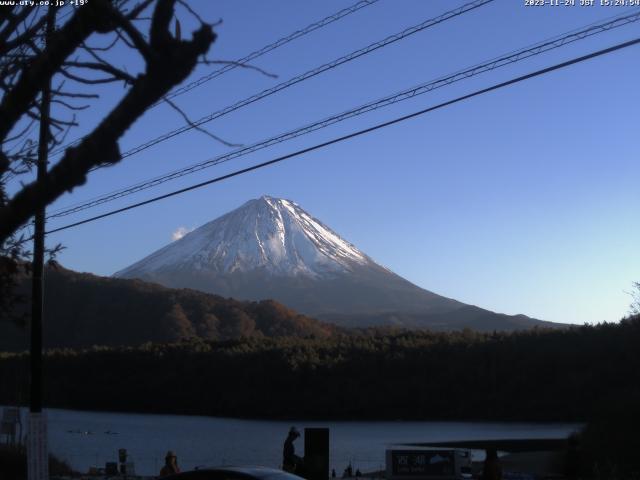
(524, 200)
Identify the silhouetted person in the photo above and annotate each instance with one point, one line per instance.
(348, 472)
(333, 473)
(170, 465)
(358, 473)
(492, 469)
(290, 461)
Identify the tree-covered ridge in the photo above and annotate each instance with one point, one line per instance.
(83, 310)
(534, 375)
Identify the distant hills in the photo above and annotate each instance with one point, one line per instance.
(274, 260)
(467, 316)
(272, 248)
(84, 310)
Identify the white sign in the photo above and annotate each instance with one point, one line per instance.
(37, 448)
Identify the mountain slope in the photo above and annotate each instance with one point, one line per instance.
(84, 310)
(272, 248)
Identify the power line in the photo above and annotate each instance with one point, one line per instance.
(309, 74)
(252, 56)
(492, 64)
(258, 53)
(358, 133)
(496, 62)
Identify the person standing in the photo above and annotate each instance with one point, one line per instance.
(170, 465)
(290, 461)
(492, 469)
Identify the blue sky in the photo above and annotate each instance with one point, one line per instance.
(524, 200)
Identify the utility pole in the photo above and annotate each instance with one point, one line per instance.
(37, 446)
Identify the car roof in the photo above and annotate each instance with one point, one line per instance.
(255, 471)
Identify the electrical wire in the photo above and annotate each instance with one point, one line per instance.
(305, 76)
(310, 74)
(358, 133)
(252, 56)
(494, 63)
(272, 46)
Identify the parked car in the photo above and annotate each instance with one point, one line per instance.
(234, 473)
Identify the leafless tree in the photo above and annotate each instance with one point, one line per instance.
(68, 58)
(75, 58)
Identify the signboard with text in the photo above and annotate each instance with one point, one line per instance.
(427, 464)
(416, 463)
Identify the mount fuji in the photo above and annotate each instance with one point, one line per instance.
(272, 248)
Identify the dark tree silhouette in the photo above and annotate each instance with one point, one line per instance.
(586, 373)
(76, 55)
(29, 64)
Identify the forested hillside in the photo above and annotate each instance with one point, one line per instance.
(83, 310)
(535, 375)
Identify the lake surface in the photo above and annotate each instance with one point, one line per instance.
(87, 439)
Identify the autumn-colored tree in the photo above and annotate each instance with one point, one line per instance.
(176, 324)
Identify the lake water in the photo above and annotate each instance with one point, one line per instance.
(87, 439)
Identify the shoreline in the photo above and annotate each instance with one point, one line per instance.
(337, 419)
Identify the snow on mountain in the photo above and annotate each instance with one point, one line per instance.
(270, 234)
(270, 248)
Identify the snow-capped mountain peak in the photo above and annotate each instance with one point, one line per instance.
(267, 233)
(270, 248)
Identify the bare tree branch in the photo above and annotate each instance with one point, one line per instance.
(62, 44)
(20, 133)
(168, 63)
(60, 93)
(87, 81)
(68, 105)
(106, 48)
(26, 35)
(162, 15)
(238, 64)
(137, 40)
(12, 22)
(192, 12)
(197, 127)
(104, 67)
(138, 9)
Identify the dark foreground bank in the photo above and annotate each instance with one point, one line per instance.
(13, 464)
